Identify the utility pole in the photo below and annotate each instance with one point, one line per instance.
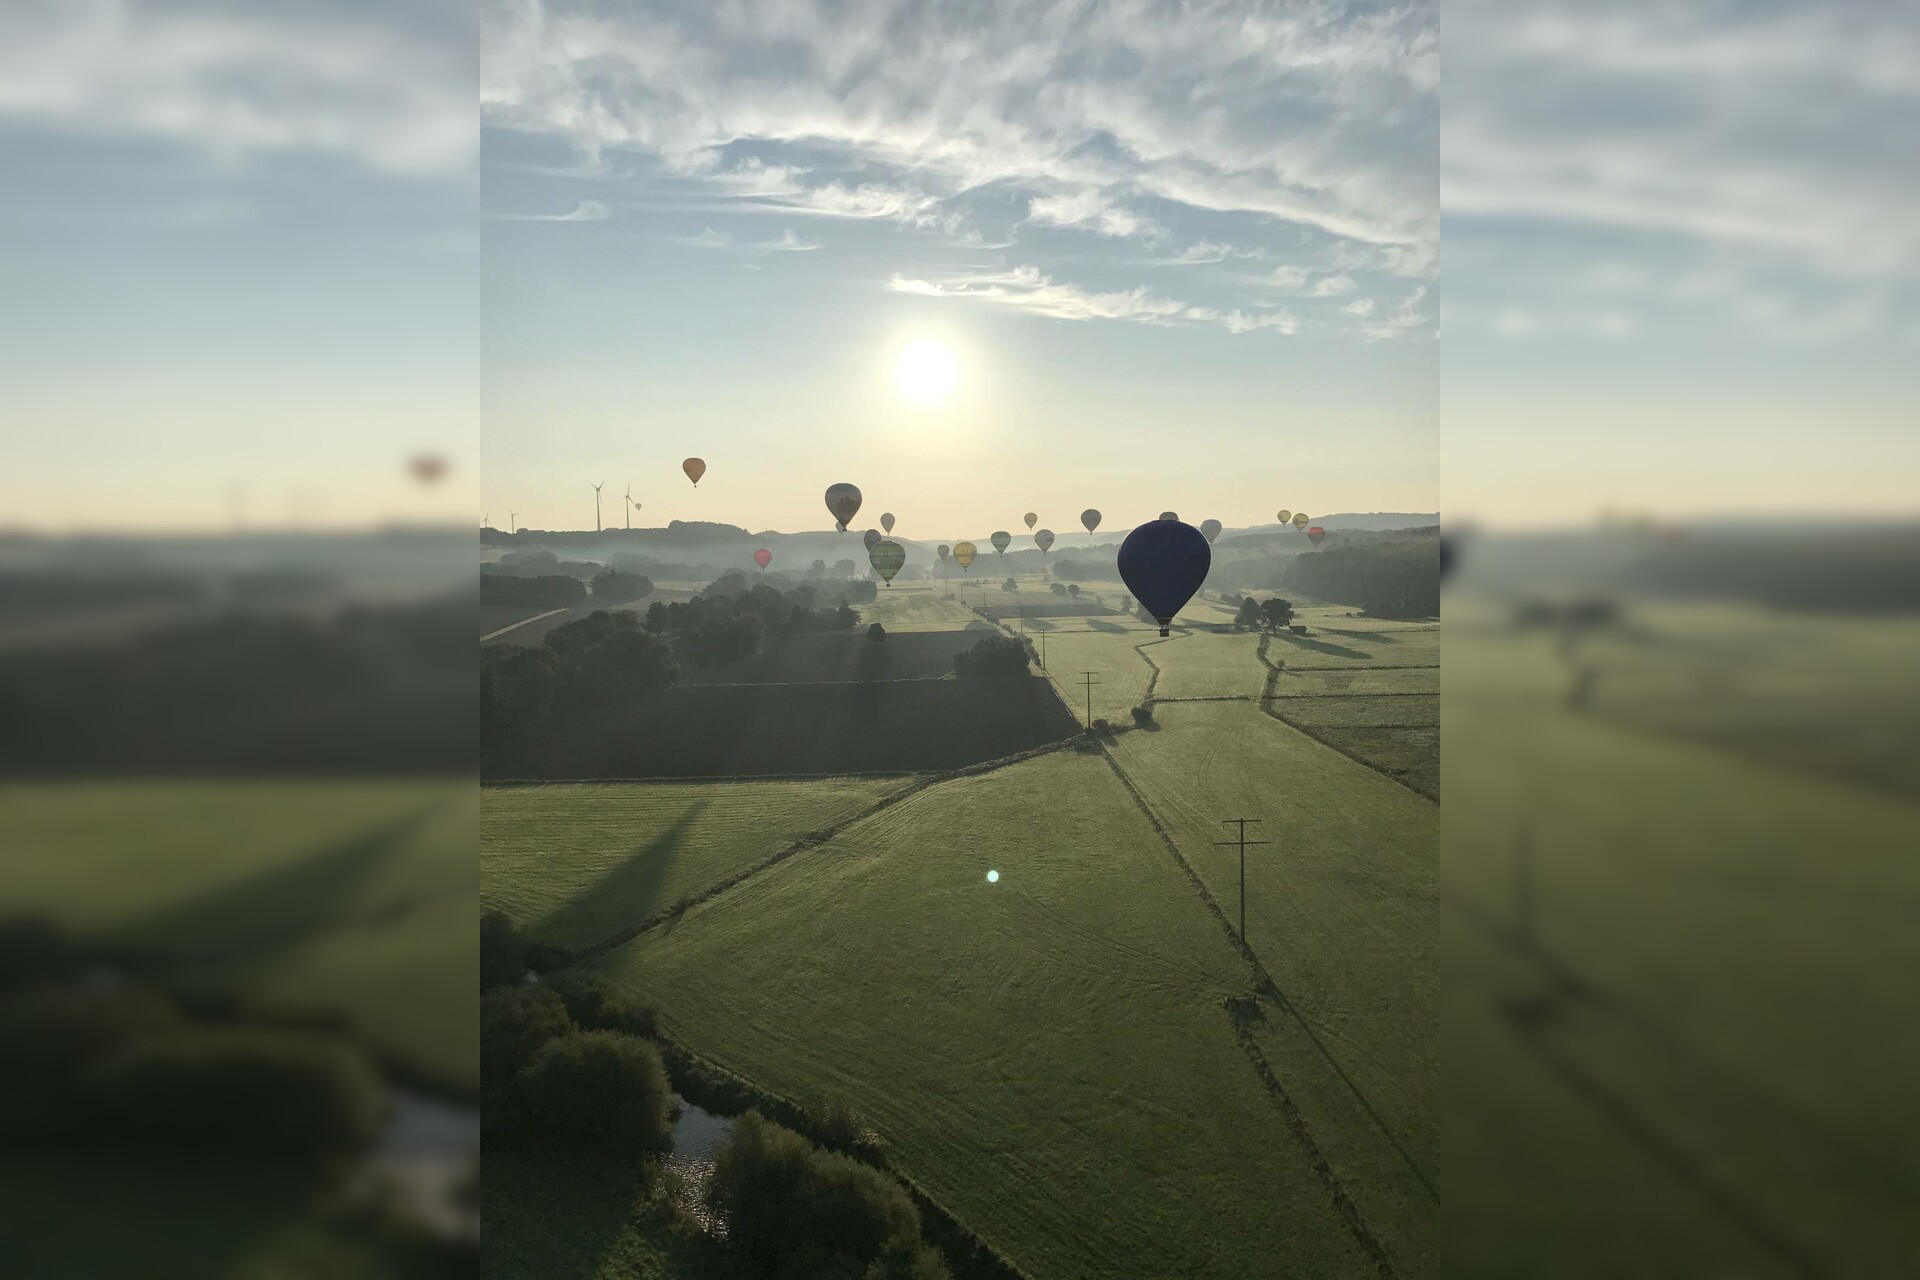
(1043, 651)
(1242, 842)
(1089, 679)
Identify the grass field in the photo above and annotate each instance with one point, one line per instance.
(574, 864)
(920, 607)
(1661, 1057)
(1047, 1054)
(351, 899)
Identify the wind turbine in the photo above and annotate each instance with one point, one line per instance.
(596, 505)
(629, 504)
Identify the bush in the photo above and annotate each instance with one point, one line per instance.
(794, 1210)
(50, 1036)
(1010, 585)
(1143, 715)
(902, 1258)
(514, 1023)
(619, 587)
(876, 633)
(594, 1006)
(602, 1091)
(275, 1095)
(503, 952)
(1100, 725)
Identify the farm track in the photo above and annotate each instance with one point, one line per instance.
(1296, 1123)
(515, 626)
(811, 840)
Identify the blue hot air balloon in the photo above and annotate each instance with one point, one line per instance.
(1163, 562)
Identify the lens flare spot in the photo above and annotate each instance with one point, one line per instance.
(993, 877)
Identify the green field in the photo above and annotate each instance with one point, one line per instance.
(1662, 1057)
(919, 607)
(576, 863)
(1046, 1054)
(350, 899)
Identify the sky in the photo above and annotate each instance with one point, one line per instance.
(238, 250)
(1681, 260)
(1184, 264)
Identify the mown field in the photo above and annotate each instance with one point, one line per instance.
(898, 726)
(1664, 935)
(1047, 1054)
(352, 899)
(575, 863)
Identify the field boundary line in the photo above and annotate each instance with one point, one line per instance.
(515, 626)
(700, 778)
(1322, 1168)
(1268, 697)
(811, 840)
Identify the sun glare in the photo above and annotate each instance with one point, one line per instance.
(927, 372)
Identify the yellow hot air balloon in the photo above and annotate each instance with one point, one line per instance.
(695, 468)
(1300, 520)
(964, 552)
(1286, 516)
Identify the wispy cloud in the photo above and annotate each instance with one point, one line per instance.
(1408, 316)
(1092, 210)
(785, 242)
(1026, 288)
(585, 211)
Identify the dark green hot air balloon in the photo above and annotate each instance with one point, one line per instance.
(1001, 539)
(886, 557)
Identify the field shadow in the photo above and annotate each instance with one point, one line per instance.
(628, 889)
(1040, 624)
(1321, 646)
(279, 907)
(1095, 624)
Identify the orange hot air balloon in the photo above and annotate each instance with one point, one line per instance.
(763, 557)
(1316, 535)
(963, 552)
(694, 468)
(1031, 519)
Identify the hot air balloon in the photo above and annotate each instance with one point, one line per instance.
(1316, 535)
(427, 467)
(1169, 515)
(944, 550)
(1044, 540)
(1090, 518)
(844, 501)
(1031, 519)
(694, 468)
(963, 553)
(1285, 515)
(1163, 562)
(1300, 520)
(886, 521)
(1209, 529)
(886, 557)
(871, 537)
(1001, 540)
(763, 557)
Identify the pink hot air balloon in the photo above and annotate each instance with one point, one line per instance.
(763, 557)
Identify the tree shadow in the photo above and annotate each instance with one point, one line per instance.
(1320, 646)
(1095, 624)
(628, 892)
(279, 907)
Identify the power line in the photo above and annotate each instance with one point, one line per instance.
(1242, 842)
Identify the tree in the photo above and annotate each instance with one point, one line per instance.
(904, 1259)
(514, 1023)
(994, 656)
(1249, 615)
(876, 633)
(1073, 589)
(604, 1091)
(1058, 588)
(1010, 585)
(616, 587)
(843, 567)
(1277, 612)
(819, 568)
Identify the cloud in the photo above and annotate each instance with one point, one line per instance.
(1331, 287)
(585, 211)
(1405, 319)
(785, 242)
(1314, 115)
(1359, 307)
(1026, 288)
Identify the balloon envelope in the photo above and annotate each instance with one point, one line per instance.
(1300, 520)
(1044, 540)
(1316, 535)
(886, 557)
(844, 501)
(1090, 518)
(944, 550)
(1031, 519)
(694, 468)
(964, 552)
(763, 557)
(1285, 515)
(1209, 529)
(1163, 562)
(1001, 540)
(886, 521)
(427, 467)
(871, 537)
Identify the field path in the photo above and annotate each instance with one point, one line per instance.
(515, 626)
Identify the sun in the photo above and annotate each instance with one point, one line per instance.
(927, 372)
